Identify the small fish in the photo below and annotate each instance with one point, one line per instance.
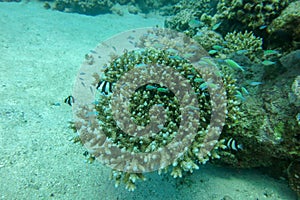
(233, 64)
(232, 144)
(216, 26)
(141, 65)
(162, 89)
(208, 85)
(130, 37)
(190, 76)
(268, 62)
(242, 52)
(194, 23)
(179, 67)
(263, 27)
(199, 33)
(255, 83)
(240, 96)
(176, 57)
(69, 100)
(198, 80)
(212, 52)
(203, 86)
(151, 87)
(270, 52)
(217, 47)
(298, 117)
(244, 90)
(105, 87)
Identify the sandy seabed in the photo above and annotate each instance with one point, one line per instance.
(40, 54)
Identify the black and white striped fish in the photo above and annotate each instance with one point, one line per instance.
(69, 100)
(232, 144)
(104, 87)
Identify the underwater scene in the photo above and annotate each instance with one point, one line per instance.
(153, 99)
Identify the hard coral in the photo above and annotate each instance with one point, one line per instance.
(88, 7)
(186, 11)
(238, 41)
(208, 38)
(162, 51)
(251, 13)
(288, 22)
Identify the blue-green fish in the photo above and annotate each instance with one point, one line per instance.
(233, 64)
(240, 96)
(162, 89)
(263, 27)
(268, 62)
(212, 52)
(217, 47)
(151, 87)
(203, 86)
(198, 80)
(141, 65)
(216, 26)
(242, 51)
(176, 57)
(190, 76)
(270, 52)
(194, 23)
(255, 83)
(244, 90)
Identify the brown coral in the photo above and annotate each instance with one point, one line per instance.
(288, 21)
(251, 13)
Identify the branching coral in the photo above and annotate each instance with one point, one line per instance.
(159, 53)
(238, 41)
(188, 11)
(208, 38)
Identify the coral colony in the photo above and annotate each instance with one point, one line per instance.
(255, 47)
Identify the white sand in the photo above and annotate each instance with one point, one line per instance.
(40, 53)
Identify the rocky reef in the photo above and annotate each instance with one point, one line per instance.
(255, 45)
(270, 20)
(96, 7)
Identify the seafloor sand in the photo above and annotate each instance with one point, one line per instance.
(40, 53)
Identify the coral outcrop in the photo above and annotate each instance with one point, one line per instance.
(90, 7)
(95, 7)
(246, 44)
(159, 52)
(288, 23)
(251, 13)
